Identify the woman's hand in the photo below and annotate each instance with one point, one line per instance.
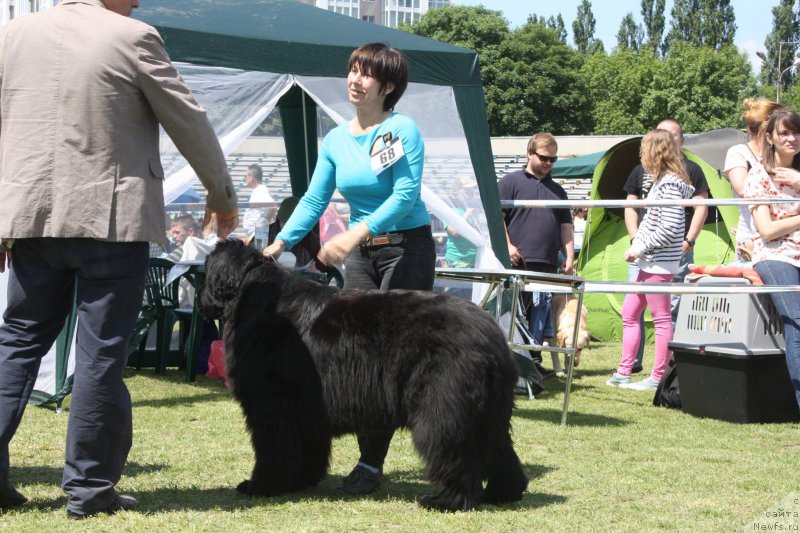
(787, 176)
(338, 248)
(274, 250)
(631, 255)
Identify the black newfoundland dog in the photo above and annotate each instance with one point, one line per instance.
(309, 363)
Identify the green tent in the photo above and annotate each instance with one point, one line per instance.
(309, 44)
(606, 237)
(581, 167)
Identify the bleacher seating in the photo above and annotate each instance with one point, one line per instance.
(439, 174)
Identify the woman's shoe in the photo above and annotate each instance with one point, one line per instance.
(618, 380)
(647, 384)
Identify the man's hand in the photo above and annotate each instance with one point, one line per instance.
(221, 223)
(5, 259)
(514, 255)
(568, 267)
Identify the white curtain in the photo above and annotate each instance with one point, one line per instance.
(238, 101)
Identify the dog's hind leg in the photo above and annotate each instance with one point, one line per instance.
(445, 437)
(506, 480)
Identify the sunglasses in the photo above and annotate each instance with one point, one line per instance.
(546, 159)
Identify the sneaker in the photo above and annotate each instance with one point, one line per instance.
(647, 384)
(122, 502)
(9, 497)
(618, 380)
(360, 481)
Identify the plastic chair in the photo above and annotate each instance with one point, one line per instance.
(326, 277)
(164, 300)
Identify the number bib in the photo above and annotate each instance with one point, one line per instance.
(388, 156)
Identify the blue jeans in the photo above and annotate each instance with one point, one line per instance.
(633, 275)
(541, 321)
(788, 306)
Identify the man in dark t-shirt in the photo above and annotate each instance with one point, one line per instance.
(536, 235)
(637, 187)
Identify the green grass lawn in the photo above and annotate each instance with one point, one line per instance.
(620, 464)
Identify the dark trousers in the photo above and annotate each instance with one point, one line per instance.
(110, 283)
(410, 265)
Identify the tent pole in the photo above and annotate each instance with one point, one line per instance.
(305, 137)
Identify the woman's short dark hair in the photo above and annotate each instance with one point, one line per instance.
(385, 64)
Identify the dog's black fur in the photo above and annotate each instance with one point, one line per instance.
(309, 363)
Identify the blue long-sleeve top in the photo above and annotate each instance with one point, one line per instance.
(387, 201)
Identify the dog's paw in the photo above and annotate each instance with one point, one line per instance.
(443, 503)
(243, 487)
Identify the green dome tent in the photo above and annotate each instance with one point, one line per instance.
(606, 237)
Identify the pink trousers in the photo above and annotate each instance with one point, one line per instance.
(632, 309)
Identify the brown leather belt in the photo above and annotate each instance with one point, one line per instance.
(385, 239)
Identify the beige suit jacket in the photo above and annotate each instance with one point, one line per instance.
(82, 92)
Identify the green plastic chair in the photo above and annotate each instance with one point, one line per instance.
(163, 299)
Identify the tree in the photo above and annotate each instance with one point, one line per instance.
(476, 28)
(533, 84)
(630, 34)
(557, 24)
(653, 16)
(554, 23)
(616, 85)
(583, 29)
(781, 45)
(700, 87)
(709, 23)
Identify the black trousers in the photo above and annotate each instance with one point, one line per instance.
(409, 265)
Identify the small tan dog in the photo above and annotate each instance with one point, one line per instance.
(563, 309)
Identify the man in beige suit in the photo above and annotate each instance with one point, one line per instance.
(82, 92)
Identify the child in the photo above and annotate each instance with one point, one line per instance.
(656, 249)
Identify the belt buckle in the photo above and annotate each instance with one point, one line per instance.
(380, 240)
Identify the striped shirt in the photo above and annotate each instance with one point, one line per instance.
(660, 236)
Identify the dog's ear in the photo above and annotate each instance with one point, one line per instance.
(225, 269)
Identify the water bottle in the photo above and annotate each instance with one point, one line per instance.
(260, 238)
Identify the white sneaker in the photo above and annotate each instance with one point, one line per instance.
(618, 380)
(647, 384)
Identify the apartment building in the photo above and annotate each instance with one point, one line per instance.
(390, 13)
(10, 9)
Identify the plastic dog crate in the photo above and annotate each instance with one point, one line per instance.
(729, 357)
(735, 385)
(747, 322)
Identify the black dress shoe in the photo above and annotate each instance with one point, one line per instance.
(9, 497)
(545, 372)
(122, 502)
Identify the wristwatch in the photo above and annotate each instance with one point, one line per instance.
(690, 241)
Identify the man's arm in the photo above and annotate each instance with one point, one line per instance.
(514, 254)
(631, 217)
(698, 219)
(186, 123)
(568, 241)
